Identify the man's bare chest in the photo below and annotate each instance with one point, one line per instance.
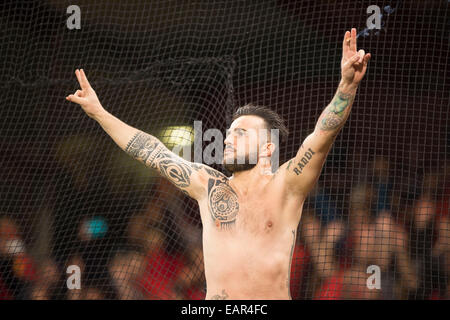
(256, 212)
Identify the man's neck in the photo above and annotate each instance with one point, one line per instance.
(248, 179)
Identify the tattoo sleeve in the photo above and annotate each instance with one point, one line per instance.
(337, 112)
(152, 153)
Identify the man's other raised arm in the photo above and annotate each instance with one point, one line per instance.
(303, 171)
(142, 146)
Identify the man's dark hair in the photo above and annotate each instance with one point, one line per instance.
(271, 118)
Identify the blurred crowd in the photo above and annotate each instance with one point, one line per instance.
(403, 231)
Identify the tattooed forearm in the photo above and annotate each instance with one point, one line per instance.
(152, 152)
(145, 148)
(336, 113)
(298, 169)
(224, 296)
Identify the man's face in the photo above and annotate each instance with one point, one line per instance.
(242, 143)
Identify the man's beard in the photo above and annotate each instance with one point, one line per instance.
(237, 167)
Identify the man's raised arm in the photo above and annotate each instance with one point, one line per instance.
(302, 172)
(140, 145)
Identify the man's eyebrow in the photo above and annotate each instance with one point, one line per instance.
(235, 129)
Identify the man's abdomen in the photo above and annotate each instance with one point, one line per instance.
(244, 268)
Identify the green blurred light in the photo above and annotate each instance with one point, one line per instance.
(173, 136)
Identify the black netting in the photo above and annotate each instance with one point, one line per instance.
(69, 196)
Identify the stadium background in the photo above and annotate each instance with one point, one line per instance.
(69, 196)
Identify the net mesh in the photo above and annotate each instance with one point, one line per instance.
(70, 197)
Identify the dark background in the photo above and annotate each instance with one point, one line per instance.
(160, 63)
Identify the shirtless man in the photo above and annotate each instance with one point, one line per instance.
(250, 219)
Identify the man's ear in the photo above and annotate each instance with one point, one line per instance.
(268, 149)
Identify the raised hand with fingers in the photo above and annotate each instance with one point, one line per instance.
(86, 97)
(353, 64)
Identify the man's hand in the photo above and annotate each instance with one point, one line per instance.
(353, 64)
(86, 97)
(302, 172)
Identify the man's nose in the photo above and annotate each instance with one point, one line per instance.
(228, 141)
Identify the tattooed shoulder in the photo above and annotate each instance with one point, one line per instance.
(215, 173)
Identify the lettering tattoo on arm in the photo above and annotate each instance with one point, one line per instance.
(224, 296)
(298, 169)
(336, 113)
(152, 152)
